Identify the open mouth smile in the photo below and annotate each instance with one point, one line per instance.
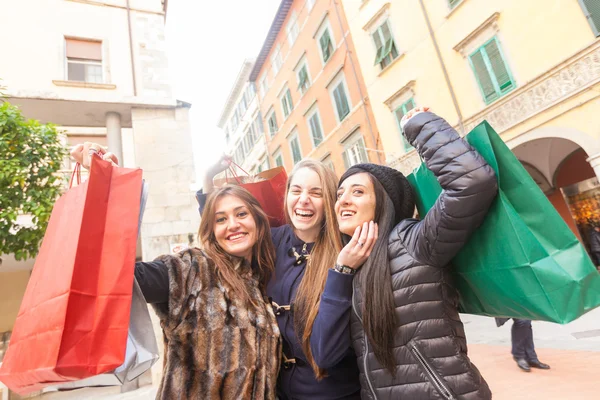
(303, 215)
(345, 214)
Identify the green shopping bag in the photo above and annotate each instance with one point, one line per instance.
(523, 262)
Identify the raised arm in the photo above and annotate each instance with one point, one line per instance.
(153, 278)
(468, 188)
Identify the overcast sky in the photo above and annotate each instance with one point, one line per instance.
(207, 42)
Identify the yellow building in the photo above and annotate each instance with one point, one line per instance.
(530, 68)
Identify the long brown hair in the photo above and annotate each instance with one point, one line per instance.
(322, 258)
(263, 251)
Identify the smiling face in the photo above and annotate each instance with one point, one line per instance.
(355, 202)
(234, 227)
(304, 204)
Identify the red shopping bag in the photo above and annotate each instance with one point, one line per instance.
(268, 187)
(74, 317)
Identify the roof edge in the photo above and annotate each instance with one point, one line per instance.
(242, 77)
(280, 16)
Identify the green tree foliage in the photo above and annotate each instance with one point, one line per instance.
(30, 158)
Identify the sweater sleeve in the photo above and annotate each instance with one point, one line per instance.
(468, 188)
(330, 338)
(153, 278)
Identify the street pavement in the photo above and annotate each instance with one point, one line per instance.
(572, 351)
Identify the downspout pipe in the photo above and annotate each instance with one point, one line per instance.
(370, 125)
(131, 49)
(444, 70)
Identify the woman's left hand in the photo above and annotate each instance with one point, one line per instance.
(411, 114)
(82, 153)
(356, 252)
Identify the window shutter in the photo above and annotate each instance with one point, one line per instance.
(592, 13)
(325, 42)
(288, 94)
(399, 114)
(84, 49)
(498, 66)
(362, 151)
(346, 161)
(379, 45)
(303, 79)
(483, 77)
(296, 155)
(453, 3)
(315, 128)
(341, 101)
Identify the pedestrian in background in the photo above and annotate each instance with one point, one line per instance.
(523, 350)
(595, 244)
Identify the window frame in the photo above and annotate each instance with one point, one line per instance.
(278, 155)
(287, 104)
(276, 60)
(588, 16)
(83, 61)
(272, 114)
(499, 92)
(350, 143)
(393, 46)
(453, 3)
(292, 27)
(325, 27)
(303, 65)
(407, 146)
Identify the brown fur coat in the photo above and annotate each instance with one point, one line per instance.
(216, 347)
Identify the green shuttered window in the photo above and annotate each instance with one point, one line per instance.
(315, 129)
(399, 113)
(453, 3)
(591, 9)
(491, 71)
(326, 45)
(385, 45)
(341, 101)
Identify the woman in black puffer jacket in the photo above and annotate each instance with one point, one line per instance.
(405, 326)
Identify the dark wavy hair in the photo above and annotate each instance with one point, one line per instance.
(375, 279)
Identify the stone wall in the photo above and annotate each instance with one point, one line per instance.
(162, 145)
(152, 61)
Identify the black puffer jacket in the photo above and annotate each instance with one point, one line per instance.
(429, 344)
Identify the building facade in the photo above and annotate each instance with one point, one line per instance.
(310, 89)
(531, 69)
(99, 70)
(242, 125)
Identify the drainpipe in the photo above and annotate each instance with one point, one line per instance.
(443, 65)
(339, 18)
(131, 49)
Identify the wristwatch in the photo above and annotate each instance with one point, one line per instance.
(344, 269)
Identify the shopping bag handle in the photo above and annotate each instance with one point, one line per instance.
(234, 174)
(77, 172)
(75, 175)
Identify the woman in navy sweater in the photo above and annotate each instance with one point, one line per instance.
(311, 290)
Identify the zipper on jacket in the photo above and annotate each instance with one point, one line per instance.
(435, 379)
(365, 355)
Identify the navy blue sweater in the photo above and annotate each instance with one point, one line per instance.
(330, 339)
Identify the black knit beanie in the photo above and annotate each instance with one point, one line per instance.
(395, 184)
